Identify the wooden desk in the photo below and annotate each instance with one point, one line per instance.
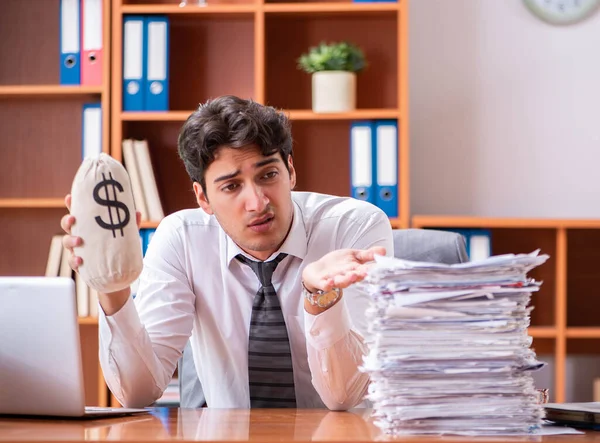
(231, 425)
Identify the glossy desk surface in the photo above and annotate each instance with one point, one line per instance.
(232, 425)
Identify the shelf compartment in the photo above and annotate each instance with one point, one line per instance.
(289, 88)
(522, 240)
(37, 134)
(27, 233)
(224, 43)
(581, 367)
(583, 277)
(322, 158)
(174, 185)
(294, 114)
(317, 147)
(506, 240)
(29, 47)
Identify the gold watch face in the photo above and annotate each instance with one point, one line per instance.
(327, 299)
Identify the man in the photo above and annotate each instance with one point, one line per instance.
(241, 276)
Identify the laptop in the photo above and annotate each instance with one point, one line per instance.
(41, 370)
(582, 415)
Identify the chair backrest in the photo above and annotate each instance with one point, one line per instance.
(428, 245)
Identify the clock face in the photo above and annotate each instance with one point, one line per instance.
(562, 12)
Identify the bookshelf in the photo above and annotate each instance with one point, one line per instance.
(236, 48)
(564, 321)
(40, 150)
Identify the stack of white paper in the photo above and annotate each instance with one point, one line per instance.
(449, 349)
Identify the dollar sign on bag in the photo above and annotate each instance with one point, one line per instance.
(111, 202)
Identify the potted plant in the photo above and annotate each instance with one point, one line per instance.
(333, 67)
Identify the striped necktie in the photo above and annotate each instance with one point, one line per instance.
(270, 372)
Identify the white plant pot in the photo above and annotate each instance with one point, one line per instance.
(333, 91)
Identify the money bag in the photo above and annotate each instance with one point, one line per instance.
(104, 210)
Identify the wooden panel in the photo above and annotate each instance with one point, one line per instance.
(376, 33)
(174, 184)
(543, 346)
(25, 239)
(40, 147)
(321, 156)
(583, 346)
(91, 365)
(218, 59)
(583, 277)
(29, 42)
(524, 241)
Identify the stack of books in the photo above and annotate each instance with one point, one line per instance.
(449, 349)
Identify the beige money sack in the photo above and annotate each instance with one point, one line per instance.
(104, 210)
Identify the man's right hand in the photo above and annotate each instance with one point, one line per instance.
(110, 303)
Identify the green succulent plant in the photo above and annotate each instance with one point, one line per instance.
(337, 56)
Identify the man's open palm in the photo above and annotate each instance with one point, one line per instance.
(340, 268)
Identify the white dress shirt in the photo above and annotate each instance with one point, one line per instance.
(191, 285)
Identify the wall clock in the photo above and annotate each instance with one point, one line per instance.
(562, 12)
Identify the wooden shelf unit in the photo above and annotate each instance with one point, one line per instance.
(247, 35)
(565, 310)
(40, 149)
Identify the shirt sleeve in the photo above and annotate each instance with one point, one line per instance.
(335, 338)
(141, 343)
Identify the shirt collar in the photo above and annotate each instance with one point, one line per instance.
(295, 243)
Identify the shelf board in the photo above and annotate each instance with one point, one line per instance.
(359, 114)
(149, 224)
(294, 114)
(32, 203)
(583, 332)
(47, 90)
(191, 9)
(542, 331)
(87, 320)
(337, 7)
(440, 221)
(168, 116)
(396, 223)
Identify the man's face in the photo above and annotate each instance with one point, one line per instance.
(250, 195)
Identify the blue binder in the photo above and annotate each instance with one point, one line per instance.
(91, 130)
(386, 183)
(362, 162)
(480, 244)
(157, 63)
(70, 48)
(134, 76)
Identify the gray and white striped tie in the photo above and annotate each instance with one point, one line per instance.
(270, 372)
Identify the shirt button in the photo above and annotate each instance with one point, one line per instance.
(315, 332)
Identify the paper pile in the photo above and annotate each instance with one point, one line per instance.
(449, 349)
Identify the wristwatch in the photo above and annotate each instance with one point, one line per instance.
(320, 298)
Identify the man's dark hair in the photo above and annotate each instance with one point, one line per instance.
(231, 122)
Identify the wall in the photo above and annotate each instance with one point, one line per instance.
(504, 111)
